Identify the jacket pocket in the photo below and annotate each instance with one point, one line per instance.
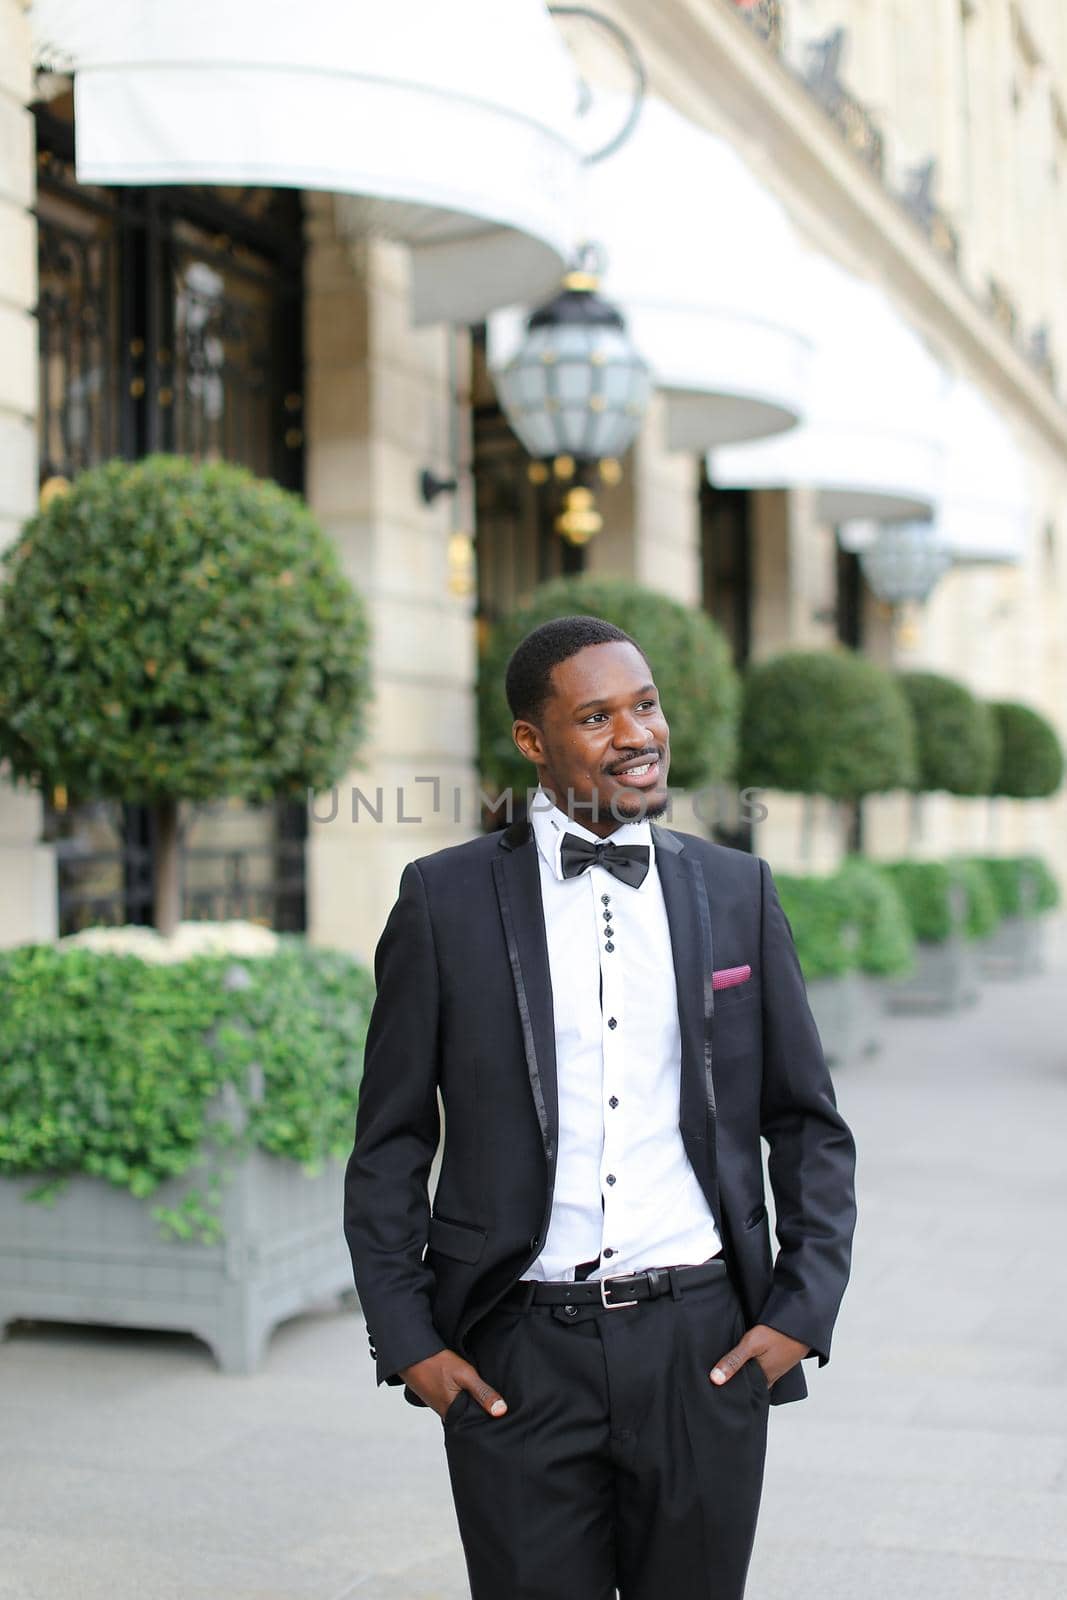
(736, 994)
(460, 1240)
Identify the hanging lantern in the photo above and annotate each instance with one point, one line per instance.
(576, 389)
(904, 561)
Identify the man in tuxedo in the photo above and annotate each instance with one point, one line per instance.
(613, 1015)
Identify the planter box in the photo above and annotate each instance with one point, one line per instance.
(1015, 948)
(836, 1005)
(945, 978)
(96, 1255)
(874, 994)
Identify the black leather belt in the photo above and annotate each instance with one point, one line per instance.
(628, 1289)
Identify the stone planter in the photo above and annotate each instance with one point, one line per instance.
(874, 992)
(96, 1255)
(944, 978)
(836, 1004)
(1015, 948)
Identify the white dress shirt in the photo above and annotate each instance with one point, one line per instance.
(625, 1190)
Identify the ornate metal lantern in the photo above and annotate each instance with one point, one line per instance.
(575, 391)
(904, 561)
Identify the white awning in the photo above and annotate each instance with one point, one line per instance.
(984, 509)
(450, 126)
(871, 443)
(983, 512)
(697, 252)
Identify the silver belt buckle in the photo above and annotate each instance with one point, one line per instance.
(615, 1305)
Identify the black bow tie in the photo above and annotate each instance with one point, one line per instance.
(627, 862)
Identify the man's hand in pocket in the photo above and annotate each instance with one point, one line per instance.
(440, 1378)
(776, 1353)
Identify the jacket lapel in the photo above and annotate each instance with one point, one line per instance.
(517, 878)
(686, 898)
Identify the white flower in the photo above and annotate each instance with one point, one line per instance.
(190, 939)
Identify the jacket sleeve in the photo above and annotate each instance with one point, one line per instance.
(386, 1201)
(812, 1153)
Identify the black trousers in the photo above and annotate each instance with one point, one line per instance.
(619, 1465)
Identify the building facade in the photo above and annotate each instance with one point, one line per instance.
(918, 147)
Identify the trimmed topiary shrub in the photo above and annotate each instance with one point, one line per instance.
(956, 735)
(983, 913)
(886, 942)
(820, 912)
(688, 654)
(924, 888)
(108, 1063)
(176, 632)
(825, 722)
(1030, 762)
(1006, 875)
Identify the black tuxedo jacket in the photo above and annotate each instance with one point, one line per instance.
(464, 1006)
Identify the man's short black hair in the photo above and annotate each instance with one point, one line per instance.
(528, 676)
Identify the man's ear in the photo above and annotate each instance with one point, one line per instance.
(527, 737)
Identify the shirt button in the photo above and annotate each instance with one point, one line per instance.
(608, 1253)
(609, 946)
(605, 900)
(613, 1102)
(613, 1022)
(606, 915)
(610, 1177)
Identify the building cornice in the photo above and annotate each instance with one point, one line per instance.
(700, 56)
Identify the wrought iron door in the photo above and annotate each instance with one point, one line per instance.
(169, 319)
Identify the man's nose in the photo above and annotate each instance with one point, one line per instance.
(630, 733)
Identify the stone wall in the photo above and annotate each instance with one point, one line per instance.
(378, 400)
(27, 868)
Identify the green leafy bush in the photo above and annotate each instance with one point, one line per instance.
(174, 629)
(176, 632)
(1030, 764)
(688, 654)
(825, 722)
(821, 913)
(886, 942)
(108, 1063)
(983, 913)
(1006, 875)
(926, 889)
(956, 735)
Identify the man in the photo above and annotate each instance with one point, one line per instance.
(613, 1014)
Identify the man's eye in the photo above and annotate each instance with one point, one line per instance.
(594, 716)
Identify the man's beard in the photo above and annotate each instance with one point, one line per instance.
(643, 810)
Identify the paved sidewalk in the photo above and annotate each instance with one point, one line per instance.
(930, 1462)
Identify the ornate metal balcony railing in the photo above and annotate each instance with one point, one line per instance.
(823, 77)
(1039, 353)
(764, 17)
(919, 199)
(1002, 307)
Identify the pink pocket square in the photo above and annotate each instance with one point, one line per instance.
(729, 977)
